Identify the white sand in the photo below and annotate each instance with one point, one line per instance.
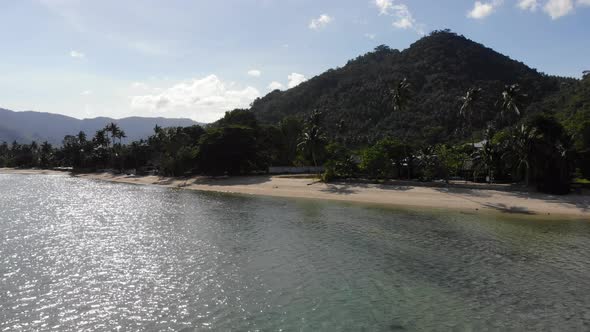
(470, 200)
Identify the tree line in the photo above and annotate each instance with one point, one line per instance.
(514, 147)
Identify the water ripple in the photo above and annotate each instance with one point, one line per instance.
(88, 255)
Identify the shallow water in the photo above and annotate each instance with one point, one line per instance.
(77, 254)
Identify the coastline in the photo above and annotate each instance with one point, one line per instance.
(447, 198)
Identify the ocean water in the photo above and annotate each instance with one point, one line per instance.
(78, 254)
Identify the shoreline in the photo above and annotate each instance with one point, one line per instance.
(445, 198)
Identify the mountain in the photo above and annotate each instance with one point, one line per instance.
(26, 127)
(440, 67)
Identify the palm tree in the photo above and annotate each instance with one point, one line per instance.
(521, 150)
(115, 131)
(101, 139)
(34, 153)
(511, 100)
(467, 109)
(120, 135)
(313, 135)
(82, 137)
(401, 97)
(46, 154)
(485, 158)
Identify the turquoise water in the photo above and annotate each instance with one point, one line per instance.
(77, 254)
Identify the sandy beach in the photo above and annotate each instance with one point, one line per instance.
(461, 199)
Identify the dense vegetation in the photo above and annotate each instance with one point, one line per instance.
(440, 67)
(445, 108)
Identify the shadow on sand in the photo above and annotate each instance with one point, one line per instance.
(345, 188)
(508, 209)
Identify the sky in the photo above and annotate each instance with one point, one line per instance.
(199, 58)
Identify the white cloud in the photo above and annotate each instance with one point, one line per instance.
(205, 99)
(295, 79)
(254, 73)
(404, 19)
(86, 93)
(320, 22)
(530, 5)
(554, 8)
(274, 85)
(402, 14)
(558, 8)
(481, 10)
(77, 54)
(484, 9)
(384, 6)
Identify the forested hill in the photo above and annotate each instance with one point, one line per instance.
(25, 127)
(356, 99)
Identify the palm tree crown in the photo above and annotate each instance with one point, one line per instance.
(313, 134)
(511, 100)
(401, 95)
(468, 101)
(467, 108)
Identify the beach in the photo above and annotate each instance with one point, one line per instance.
(450, 198)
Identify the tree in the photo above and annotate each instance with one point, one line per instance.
(551, 159)
(120, 134)
(339, 164)
(46, 155)
(290, 128)
(82, 137)
(450, 159)
(381, 160)
(485, 159)
(231, 150)
(511, 101)
(4, 154)
(101, 144)
(238, 117)
(34, 148)
(114, 129)
(521, 150)
(313, 136)
(467, 109)
(401, 97)
(72, 153)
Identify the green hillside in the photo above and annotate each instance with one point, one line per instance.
(440, 68)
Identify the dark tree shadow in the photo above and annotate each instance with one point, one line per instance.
(464, 191)
(231, 180)
(580, 201)
(508, 209)
(340, 190)
(348, 186)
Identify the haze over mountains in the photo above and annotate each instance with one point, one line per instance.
(25, 127)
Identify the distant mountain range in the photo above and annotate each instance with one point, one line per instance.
(25, 127)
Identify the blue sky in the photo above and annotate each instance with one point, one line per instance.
(197, 59)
